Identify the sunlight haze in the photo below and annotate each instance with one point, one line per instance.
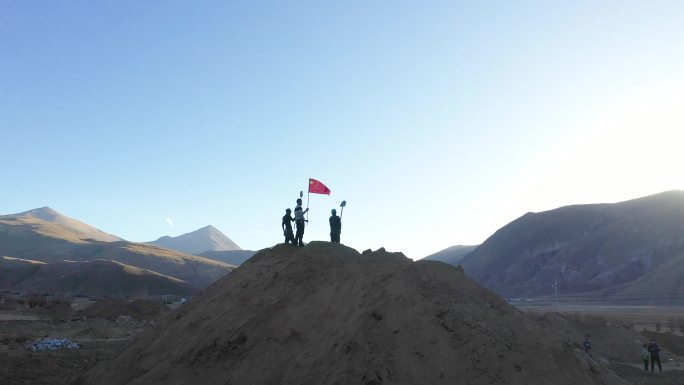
(438, 122)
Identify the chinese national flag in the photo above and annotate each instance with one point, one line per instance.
(317, 187)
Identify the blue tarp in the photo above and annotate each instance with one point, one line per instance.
(52, 344)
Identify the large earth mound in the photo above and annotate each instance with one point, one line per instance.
(326, 314)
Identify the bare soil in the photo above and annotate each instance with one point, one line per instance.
(651, 318)
(100, 339)
(378, 320)
(618, 333)
(327, 315)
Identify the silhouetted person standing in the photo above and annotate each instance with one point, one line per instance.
(587, 345)
(299, 222)
(645, 355)
(335, 227)
(655, 355)
(287, 227)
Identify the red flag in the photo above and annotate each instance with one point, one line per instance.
(317, 187)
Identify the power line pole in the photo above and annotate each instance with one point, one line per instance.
(556, 285)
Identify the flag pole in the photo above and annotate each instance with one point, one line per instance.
(308, 195)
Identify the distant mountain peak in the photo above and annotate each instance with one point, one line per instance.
(47, 213)
(208, 228)
(207, 238)
(60, 225)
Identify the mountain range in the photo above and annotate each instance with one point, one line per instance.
(96, 278)
(451, 255)
(50, 223)
(207, 238)
(45, 236)
(207, 242)
(636, 246)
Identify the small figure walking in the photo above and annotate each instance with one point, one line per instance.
(287, 227)
(299, 222)
(655, 356)
(587, 344)
(645, 355)
(335, 227)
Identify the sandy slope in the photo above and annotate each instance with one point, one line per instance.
(325, 314)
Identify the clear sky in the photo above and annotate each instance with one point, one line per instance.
(438, 121)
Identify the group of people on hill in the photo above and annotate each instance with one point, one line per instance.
(649, 352)
(297, 238)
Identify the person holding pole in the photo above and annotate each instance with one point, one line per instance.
(335, 226)
(299, 222)
(655, 356)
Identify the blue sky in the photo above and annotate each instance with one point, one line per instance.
(438, 121)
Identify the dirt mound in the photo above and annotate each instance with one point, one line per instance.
(139, 309)
(325, 314)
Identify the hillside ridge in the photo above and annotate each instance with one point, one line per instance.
(585, 248)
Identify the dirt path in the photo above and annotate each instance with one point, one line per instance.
(14, 316)
(638, 376)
